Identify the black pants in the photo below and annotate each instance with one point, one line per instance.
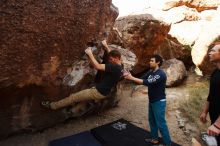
(218, 140)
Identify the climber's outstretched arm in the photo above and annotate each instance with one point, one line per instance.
(94, 62)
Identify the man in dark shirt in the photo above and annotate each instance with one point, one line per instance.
(212, 105)
(112, 75)
(155, 80)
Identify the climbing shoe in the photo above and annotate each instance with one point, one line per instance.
(46, 104)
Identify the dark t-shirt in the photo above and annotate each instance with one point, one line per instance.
(112, 74)
(214, 96)
(156, 82)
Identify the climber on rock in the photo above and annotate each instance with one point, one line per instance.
(112, 75)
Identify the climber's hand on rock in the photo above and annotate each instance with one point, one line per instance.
(88, 51)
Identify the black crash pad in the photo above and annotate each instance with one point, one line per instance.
(81, 139)
(122, 133)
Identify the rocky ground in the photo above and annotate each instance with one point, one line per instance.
(132, 107)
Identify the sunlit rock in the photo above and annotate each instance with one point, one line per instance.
(171, 48)
(175, 71)
(145, 36)
(194, 24)
(142, 34)
(200, 5)
(209, 35)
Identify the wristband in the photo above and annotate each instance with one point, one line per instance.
(216, 126)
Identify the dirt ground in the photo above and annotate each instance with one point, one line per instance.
(132, 107)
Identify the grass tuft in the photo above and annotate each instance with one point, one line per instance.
(192, 107)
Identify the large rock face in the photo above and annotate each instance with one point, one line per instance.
(145, 36)
(171, 48)
(40, 41)
(142, 34)
(208, 36)
(200, 5)
(194, 23)
(175, 71)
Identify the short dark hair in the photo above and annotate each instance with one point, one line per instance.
(114, 53)
(158, 58)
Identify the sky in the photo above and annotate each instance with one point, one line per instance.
(128, 6)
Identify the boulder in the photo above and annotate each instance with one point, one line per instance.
(199, 5)
(175, 71)
(174, 15)
(41, 43)
(129, 59)
(142, 34)
(145, 36)
(179, 14)
(194, 24)
(187, 32)
(207, 37)
(171, 48)
(208, 15)
(115, 37)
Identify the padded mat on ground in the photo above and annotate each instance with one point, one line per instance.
(81, 139)
(122, 133)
